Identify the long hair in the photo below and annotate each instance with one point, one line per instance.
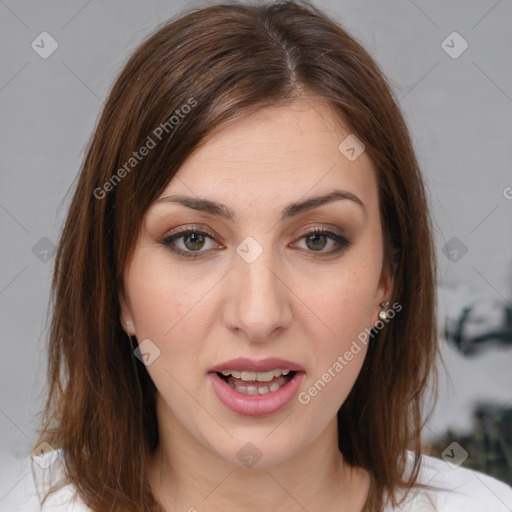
(192, 76)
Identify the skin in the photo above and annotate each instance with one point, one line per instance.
(295, 301)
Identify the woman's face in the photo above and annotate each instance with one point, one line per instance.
(228, 265)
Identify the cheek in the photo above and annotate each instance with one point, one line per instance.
(346, 304)
(344, 301)
(339, 352)
(170, 307)
(163, 300)
(347, 315)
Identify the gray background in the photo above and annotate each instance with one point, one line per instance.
(459, 111)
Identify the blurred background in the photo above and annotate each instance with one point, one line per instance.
(451, 68)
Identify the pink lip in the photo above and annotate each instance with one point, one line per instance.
(256, 405)
(251, 365)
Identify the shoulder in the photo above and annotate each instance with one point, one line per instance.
(457, 489)
(34, 480)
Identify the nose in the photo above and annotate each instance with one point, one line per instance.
(258, 301)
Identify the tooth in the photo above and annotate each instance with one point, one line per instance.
(252, 390)
(274, 387)
(248, 376)
(265, 376)
(255, 376)
(263, 390)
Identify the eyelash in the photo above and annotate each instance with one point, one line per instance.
(169, 240)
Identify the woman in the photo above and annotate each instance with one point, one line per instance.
(243, 313)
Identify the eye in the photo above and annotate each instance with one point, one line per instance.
(318, 239)
(189, 242)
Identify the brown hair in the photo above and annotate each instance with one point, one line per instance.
(225, 61)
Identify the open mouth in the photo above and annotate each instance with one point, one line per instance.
(256, 383)
(253, 392)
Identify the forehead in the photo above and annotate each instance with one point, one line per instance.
(280, 152)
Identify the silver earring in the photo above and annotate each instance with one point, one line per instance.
(383, 314)
(128, 328)
(127, 323)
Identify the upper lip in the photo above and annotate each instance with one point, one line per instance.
(263, 365)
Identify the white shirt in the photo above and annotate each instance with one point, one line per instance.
(464, 490)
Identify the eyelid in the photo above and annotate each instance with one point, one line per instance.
(324, 228)
(186, 229)
(202, 229)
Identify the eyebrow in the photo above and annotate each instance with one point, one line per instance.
(290, 210)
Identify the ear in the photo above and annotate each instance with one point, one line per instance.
(126, 317)
(384, 292)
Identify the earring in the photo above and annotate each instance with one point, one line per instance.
(383, 314)
(127, 323)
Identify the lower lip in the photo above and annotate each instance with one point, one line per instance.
(256, 405)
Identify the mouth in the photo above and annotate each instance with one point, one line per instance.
(256, 388)
(256, 383)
